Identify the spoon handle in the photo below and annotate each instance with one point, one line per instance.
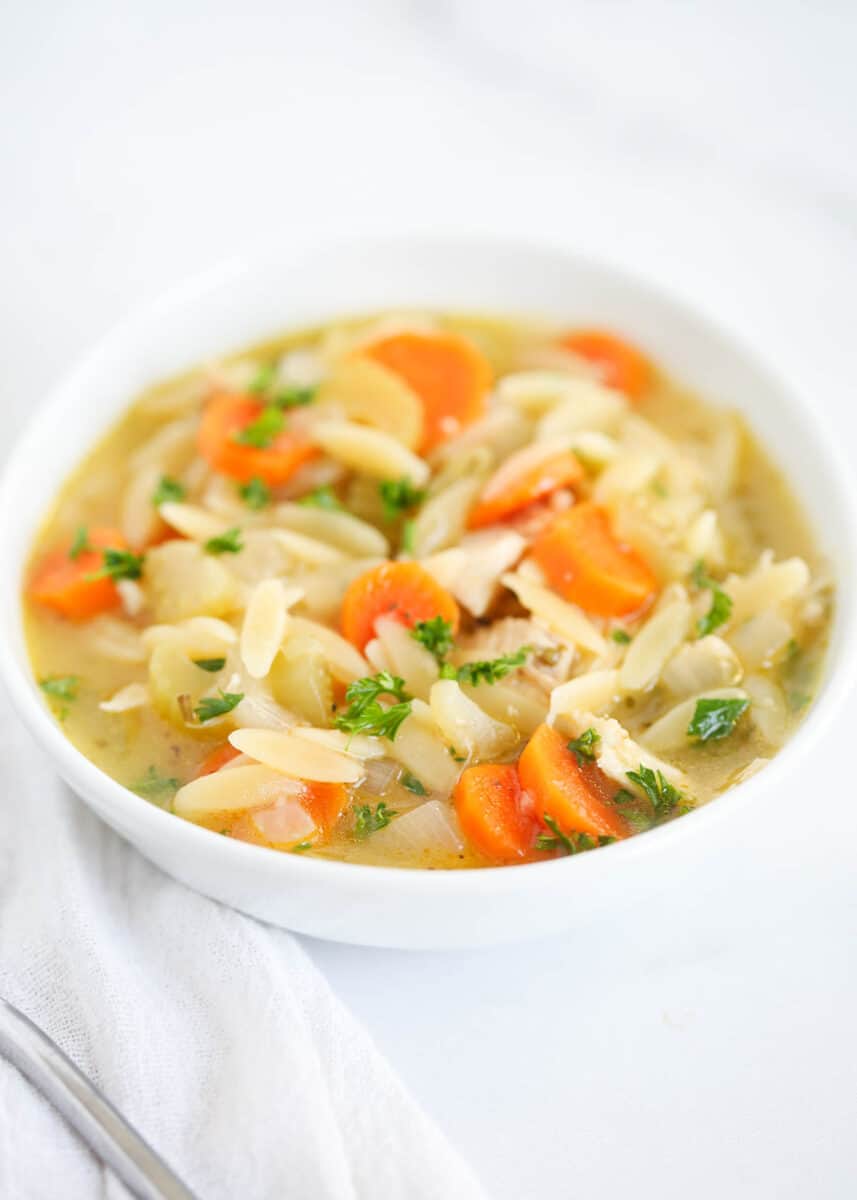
(96, 1121)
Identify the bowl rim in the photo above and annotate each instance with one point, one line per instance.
(133, 813)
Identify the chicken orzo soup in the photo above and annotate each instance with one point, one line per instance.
(428, 590)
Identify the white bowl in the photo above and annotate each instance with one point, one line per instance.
(246, 301)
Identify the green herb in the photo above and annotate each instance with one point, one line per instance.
(255, 493)
(301, 846)
(368, 820)
(398, 495)
(119, 564)
(62, 688)
(413, 784)
(210, 707)
(659, 489)
(365, 713)
(322, 497)
(295, 397)
(629, 805)
(448, 671)
(408, 538)
(715, 719)
(568, 843)
(155, 784)
(210, 664)
(225, 543)
(80, 545)
(261, 432)
(620, 635)
(167, 491)
(583, 747)
(663, 796)
(455, 756)
(264, 378)
(435, 635)
(493, 669)
(798, 700)
(721, 602)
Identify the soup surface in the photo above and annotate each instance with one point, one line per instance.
(428, 591)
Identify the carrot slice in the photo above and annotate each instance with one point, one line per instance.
(586, 564)
(402, 590)
(225, 417)
(325, 803)
(487, 799)
(622, 365)
(522, 480)
(576, 796)
(447, 372)
(68, 585)
(218, 758)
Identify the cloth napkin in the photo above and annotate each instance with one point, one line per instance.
(213, 1033)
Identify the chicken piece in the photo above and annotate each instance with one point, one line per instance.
(698, 666)
(616, 752)
(549, 664)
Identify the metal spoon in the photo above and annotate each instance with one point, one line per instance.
(97, 1122)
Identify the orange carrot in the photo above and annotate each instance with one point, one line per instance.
(216, 759)
(525, 478)
(622, 365)
(446, 371)
(575, 795)
(586, 564)
(487, 799)
(324, 802)
(403, 590)
(69, 585)
(274, 459)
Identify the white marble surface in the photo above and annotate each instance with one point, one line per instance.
(706, 1046)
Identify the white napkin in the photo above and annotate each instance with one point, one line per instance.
(213, 1033)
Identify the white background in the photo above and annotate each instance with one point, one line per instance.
(705, 1046)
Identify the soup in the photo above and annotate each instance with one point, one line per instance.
(428, 590)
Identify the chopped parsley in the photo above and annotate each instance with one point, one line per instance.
(583, 747)
(210, 707)
(368, 820)
(81, 544)
(255, 493)
(261, 432)
(568, 843)
(60, 687)
(435, 635)
(714, 719)
(210, 664)
(721, 602)
(119, 564)
(294, 397)
(633, 810)
(167, 491)
(489, 671)
(155, 784)
(225, 543)
(409, 533)
(322, 497)
(263, 378)
(398, 496)
(413, 784)
(620, 636)
(663, 796)
(300, 847)
(365, 713)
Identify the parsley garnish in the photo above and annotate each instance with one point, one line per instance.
(491, 670)
(408, 539)
(621, 636)
(721, 602)
(663, 796)
(155, 784)
(210, 707)
(413, 784)
(80, 545)
(210, 664)
(365, 713)
(583, 747)
(568, 843)
(60, 687)
(168, 490)
(322, 497)
(713, 719)
(295, 397)
(435, 635)
(263, 378)
(628, 805)
(367, 820)
(301, 846)
(261, 432)
(119, 564)
(255, 493)
(225, 543)
(398, 495)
